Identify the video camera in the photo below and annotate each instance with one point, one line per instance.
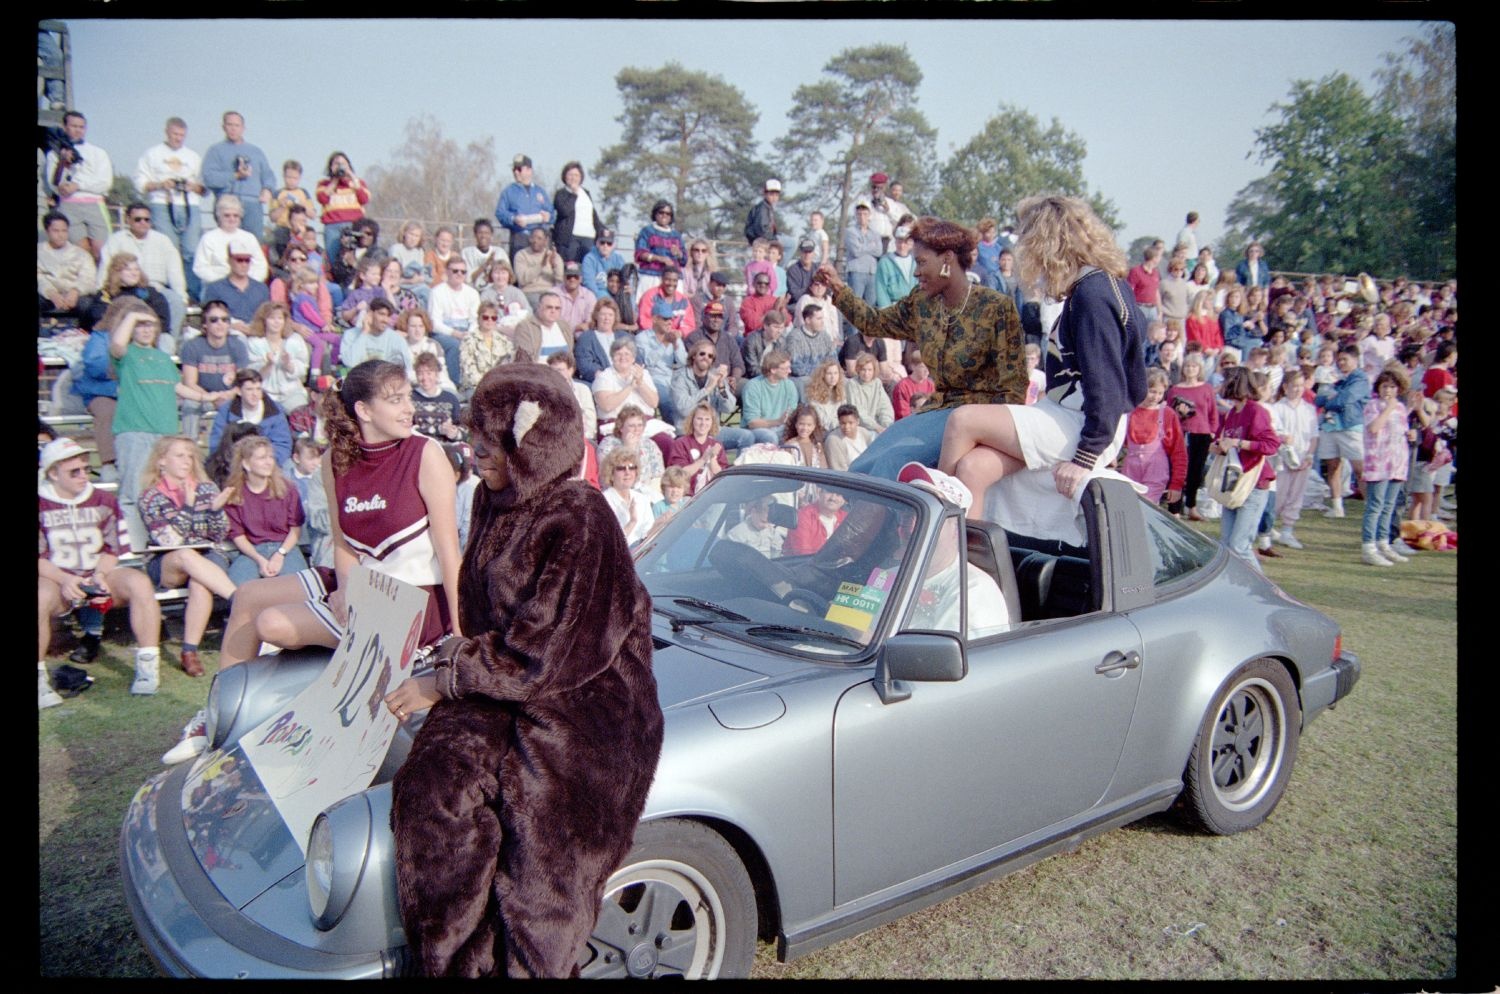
(55, 139)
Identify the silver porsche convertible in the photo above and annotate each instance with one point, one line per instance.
(871, 705)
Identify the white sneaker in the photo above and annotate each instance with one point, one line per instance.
(146, 679)
(1370, 555)
(1337, 510)
(1390, 553)
(46, 697)
(194, 740)
(1289, 539)
(1274, 533)
(1263, 542)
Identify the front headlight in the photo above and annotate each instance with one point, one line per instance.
(337, 849)
(225, 696)
(319, 866)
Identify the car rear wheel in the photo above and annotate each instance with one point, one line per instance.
(680, 906)
(1245, 749)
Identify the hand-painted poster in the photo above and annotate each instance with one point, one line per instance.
(329, 741)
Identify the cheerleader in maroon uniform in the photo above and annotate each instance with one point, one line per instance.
(394, 503)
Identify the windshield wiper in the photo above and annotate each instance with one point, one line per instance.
(710, 607)
(818, 633)
(678, 622)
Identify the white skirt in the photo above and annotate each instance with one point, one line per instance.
(1027, 502)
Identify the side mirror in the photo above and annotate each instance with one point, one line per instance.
(920, 657)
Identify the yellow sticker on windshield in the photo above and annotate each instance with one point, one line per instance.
(857, 604)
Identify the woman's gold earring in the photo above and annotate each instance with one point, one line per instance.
(944, 271)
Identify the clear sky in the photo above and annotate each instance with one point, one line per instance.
(1168, 108)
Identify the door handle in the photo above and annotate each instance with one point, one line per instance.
(1118, 662)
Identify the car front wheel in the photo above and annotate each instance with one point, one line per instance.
(1245, 749)
(680, 906)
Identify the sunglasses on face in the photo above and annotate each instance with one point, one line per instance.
(140, 217)
(457, 272)
(76, 471)
(626, 469)
(489, 317)
(217, 319)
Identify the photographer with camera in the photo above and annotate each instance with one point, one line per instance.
(343, 196)
(170, 177)
(238, 167)
(77, 177)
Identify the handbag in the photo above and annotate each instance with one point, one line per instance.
(1228, 482)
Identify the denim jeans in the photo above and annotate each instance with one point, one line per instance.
(1380, 505)
(863, 285)
(918, 438)
(1268, 516)
(450, 353)
(193, 412)
(331, 238)
(738, 438)
(186, 241)
(176, 307)
(132, 450)
(1237, 527)
(254, 220)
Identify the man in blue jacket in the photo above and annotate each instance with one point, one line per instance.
(600, 261)
(524, 206)
(1252, 270)
(1341, 425)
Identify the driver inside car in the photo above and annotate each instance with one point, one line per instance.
(937, 603)
(757, 531)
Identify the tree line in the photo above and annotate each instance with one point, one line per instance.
(687, 136)
(1356, 180)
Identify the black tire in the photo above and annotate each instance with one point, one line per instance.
(680, 906)
(1245, 750)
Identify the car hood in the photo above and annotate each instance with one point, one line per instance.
(244, 846)
(685, 676)
(233, 826)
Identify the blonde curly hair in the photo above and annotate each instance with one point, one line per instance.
(1056, 236)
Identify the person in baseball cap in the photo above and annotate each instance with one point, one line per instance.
(935, 481)
(59, 449)
(937, 606)
(713, 309)
(773, 185)
(83, 521)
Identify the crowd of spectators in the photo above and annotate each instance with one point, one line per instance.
(676, 371)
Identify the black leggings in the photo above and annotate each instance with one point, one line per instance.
(1197, 453)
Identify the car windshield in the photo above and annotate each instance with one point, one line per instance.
(777, 560)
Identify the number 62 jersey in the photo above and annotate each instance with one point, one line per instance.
(75, 532)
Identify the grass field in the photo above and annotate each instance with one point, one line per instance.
(1354, 877)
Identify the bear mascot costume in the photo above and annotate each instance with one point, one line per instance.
(523, 786)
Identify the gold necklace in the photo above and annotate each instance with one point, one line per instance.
(949, 317)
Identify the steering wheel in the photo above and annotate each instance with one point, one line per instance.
(806, 601)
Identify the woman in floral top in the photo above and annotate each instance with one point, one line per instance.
(483, 348)
(970, 336)
(181, 507)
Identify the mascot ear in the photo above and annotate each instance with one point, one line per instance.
(527, 413)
